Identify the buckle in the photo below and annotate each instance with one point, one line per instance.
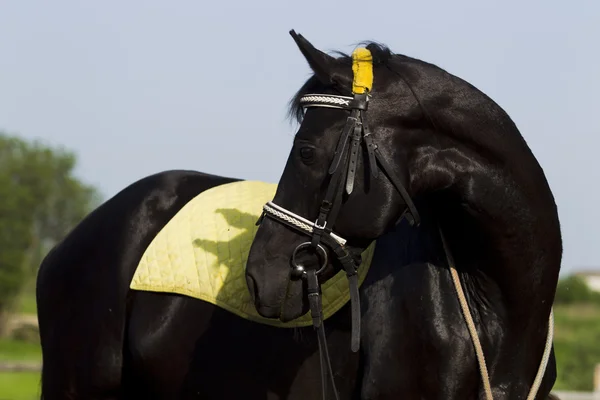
(321, 227)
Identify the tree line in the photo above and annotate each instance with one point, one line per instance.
(42, 200)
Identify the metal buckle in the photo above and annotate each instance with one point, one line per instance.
(320, 227)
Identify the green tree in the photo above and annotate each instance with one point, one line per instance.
(574, 289)
(41, 201)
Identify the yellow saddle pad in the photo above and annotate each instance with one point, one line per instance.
(202, 253)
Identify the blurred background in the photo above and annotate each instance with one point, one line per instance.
(96, 95)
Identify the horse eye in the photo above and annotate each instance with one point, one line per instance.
(307, 154)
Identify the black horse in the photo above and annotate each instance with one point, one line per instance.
(431, 138)
(101, 340)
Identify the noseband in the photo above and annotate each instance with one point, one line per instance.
(343, 173)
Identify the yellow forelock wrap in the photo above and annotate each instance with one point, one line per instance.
(202, 252)
(362, 67)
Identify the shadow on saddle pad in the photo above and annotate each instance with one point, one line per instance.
(202, 253)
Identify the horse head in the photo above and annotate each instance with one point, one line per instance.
(341, 188)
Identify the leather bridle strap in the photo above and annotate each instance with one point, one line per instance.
(413, 214)
(331, 203)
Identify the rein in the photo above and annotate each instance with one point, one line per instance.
(343, 173)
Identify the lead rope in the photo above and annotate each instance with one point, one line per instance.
(540, 374)
(475, 337)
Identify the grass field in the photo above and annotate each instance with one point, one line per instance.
(576, 343)
(19, 386)
(14, 350)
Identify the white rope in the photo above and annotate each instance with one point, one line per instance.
(542, 369)
(296, 220)
(487, 388)
(475, 337)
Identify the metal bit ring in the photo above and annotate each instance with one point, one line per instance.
(299, 269)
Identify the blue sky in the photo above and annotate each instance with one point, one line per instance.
(139, 87)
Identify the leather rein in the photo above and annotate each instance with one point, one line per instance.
(343, 173)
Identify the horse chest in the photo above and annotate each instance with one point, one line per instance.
(415, 343)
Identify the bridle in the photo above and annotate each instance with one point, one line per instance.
(343, 173)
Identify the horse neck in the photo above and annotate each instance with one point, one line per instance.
(494, 205)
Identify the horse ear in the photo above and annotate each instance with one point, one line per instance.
(322, 64)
